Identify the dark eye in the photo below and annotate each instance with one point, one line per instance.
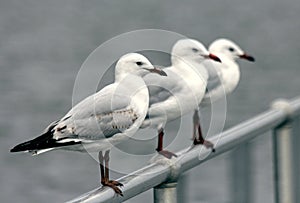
(139, 63)
(231, 49)
(195, 50)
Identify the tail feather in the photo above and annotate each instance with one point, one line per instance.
(45, 141)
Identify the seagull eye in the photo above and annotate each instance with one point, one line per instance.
(139, 63)
(195, 50)
(231, 49)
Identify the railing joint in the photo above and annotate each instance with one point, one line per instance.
(285, 106)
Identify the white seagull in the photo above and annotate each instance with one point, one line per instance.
(103, 119)
(223, 77)
(180, 92)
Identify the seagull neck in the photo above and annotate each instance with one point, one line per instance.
(226, 58)
(176, 61)
(121, 76)
(185, 66)
(229, 62)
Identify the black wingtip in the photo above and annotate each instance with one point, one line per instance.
(25, 146)
(44, 141)
(13, 150)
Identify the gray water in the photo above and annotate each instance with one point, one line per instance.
(43, 44)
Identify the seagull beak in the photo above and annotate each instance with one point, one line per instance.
(247, 57)
(157, 71)
(213, 57)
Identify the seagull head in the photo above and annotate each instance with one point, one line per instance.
(230, 49)
(137, 64)
(191, 50)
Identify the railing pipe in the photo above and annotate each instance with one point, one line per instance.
(162, 170)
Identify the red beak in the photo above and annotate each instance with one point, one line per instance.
(247, 57)
(214, 57)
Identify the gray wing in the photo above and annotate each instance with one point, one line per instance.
(98, 116)
(161, 88)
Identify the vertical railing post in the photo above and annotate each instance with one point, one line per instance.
(166, 193)
(283, 164)
(242, 165)
(183, 188)
(296, 160)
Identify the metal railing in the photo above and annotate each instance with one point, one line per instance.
(162, 174)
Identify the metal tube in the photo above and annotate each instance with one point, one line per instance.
(165, 193)
(162, 170)
(183, 188)
(296, 159)
(284, 187)
(241, 190)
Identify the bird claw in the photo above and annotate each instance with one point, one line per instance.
(114, 185)
(167, 154)
(206, 143)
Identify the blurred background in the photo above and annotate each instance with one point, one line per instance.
(44, 43)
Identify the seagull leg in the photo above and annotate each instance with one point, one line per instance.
(196, 121)
(105, 174)
(159, 148)
(100, 157)
(200, 139)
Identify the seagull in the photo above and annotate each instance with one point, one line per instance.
(223, 77)
(180, 92)
(103, 119)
